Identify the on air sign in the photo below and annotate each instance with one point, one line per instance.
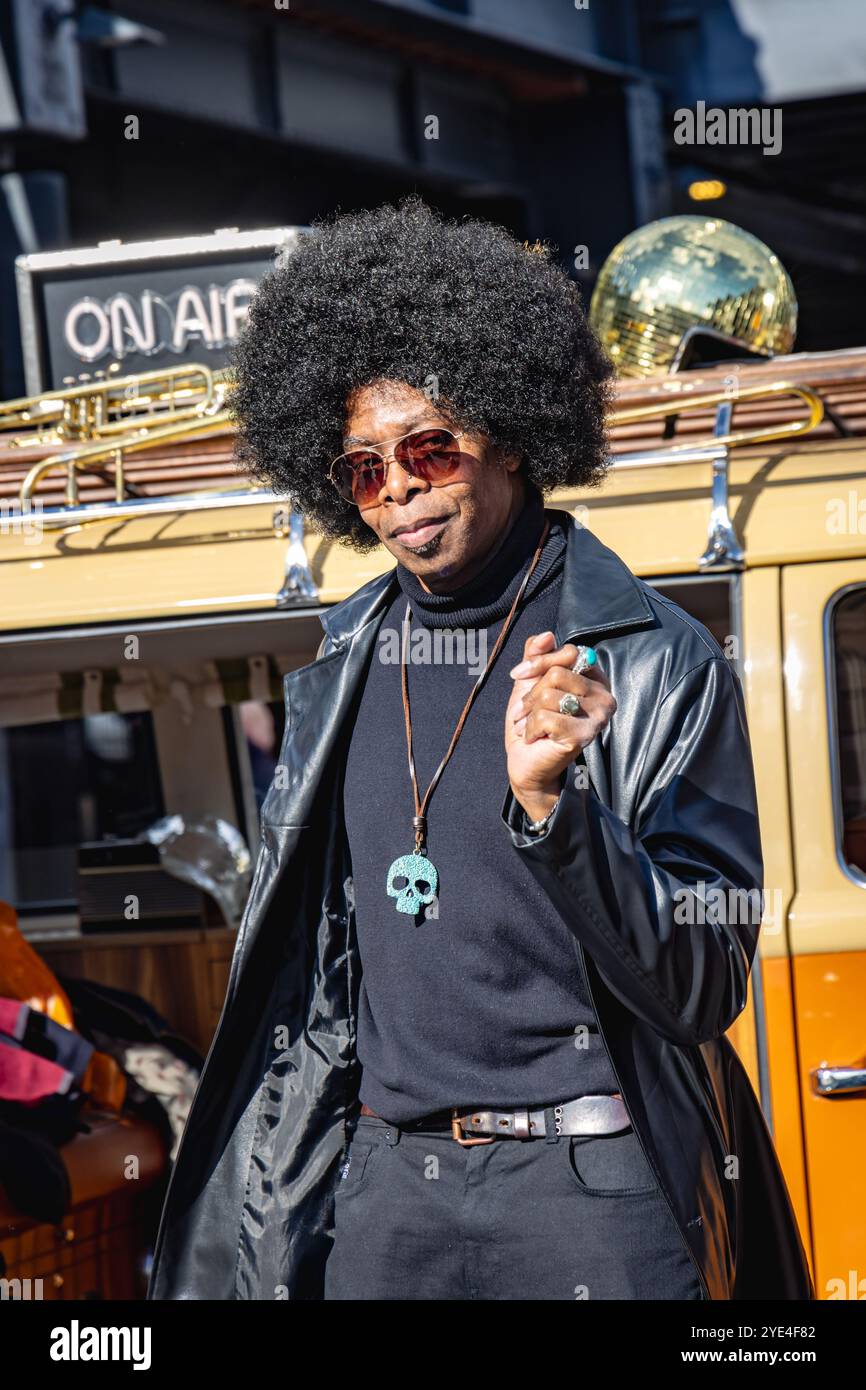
(143, 305)
(150, 324)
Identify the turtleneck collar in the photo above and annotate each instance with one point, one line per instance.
(490, 594)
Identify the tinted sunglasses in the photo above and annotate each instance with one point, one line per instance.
(431, 454)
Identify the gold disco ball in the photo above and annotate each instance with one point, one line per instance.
(686, 272)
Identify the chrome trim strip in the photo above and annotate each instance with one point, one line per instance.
(707, 453)
(241, 619)
(62, 518)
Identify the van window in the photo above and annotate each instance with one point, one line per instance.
(70, 782)
(712, 599)
(848, 656)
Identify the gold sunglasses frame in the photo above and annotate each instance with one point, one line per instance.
(383, 453)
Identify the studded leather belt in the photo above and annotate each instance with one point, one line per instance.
(583, 1115)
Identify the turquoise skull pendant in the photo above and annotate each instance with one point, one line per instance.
(412, 880)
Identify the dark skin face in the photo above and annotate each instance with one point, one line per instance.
(468, 517)
(458, 526)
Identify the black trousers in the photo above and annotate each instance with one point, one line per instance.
(417, 1216)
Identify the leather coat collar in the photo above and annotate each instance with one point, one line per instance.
(599, 594)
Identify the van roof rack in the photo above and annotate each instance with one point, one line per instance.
(90, 427)
(723, 549)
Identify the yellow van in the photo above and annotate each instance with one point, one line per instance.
(152, 603)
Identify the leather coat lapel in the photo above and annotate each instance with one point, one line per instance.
(599, 594)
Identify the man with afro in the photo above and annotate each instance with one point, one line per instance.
(507, 1076)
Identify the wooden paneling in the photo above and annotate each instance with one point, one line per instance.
(183, 974)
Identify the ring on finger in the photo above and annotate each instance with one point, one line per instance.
(569, 704)
(586, 656)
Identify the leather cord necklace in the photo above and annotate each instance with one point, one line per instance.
(420, 874)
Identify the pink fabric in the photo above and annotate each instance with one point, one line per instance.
(28, 1079)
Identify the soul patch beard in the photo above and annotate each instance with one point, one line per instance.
(429, 547)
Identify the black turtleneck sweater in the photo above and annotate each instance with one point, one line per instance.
(485, 1004)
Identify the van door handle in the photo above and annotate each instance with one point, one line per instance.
(839, 1081)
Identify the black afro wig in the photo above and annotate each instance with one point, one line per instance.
(401, 294)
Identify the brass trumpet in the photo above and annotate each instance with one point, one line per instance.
(102, 420)
(676, 404)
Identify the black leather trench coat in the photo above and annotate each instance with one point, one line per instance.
(669, 813)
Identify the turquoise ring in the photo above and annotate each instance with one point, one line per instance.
(586, 657)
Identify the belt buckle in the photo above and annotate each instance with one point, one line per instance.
(455, 1133)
